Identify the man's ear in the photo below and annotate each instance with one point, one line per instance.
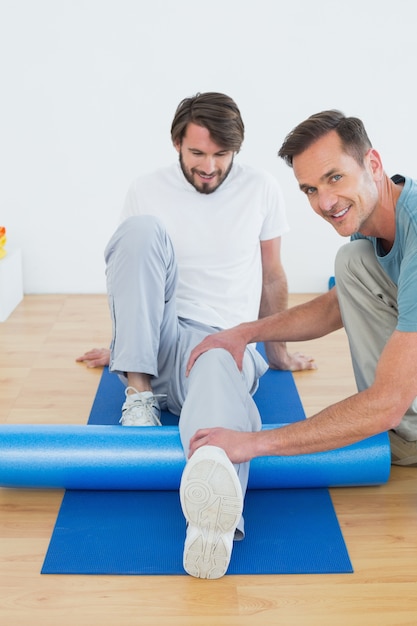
(374, 160)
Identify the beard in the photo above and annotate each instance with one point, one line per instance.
(208, 187)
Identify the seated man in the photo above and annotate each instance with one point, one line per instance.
(198, 250)
(375, 298)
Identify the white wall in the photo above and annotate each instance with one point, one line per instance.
(89, 88)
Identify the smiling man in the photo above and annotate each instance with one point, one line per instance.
(204, 164)
(198, 250)
(375, 298)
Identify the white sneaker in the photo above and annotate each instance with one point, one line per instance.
(140, 409)
(212, 503)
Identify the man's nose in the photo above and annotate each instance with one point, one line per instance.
(208, 164)
(327, 201)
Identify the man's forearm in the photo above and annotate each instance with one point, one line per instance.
(338, 425)
(310, 320)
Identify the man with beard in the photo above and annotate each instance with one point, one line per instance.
(198, 250)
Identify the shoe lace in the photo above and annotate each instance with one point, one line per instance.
(147, 408)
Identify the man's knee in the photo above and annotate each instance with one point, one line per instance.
(215, 368)
(141, 227)
(138, 236)
(353, 256)
(215, 359)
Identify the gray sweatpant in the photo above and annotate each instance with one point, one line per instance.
(368, 303)
(148, 337)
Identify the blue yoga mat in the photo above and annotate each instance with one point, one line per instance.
(288, 530)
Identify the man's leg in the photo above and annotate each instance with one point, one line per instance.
(212, 489)
(368, 303)
(220, 395)
(141, 281)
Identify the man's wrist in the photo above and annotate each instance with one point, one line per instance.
(265, 443)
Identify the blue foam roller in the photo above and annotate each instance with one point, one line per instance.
(151, 458)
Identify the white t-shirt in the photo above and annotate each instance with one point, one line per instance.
(216, 238)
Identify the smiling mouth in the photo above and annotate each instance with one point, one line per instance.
(206, 176)
(340, 214)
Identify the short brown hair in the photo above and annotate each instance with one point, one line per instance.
(351, 131)
(214, 111)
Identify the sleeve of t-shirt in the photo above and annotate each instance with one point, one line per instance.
(275, 221)
(407, 298)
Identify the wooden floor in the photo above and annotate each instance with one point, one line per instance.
(41, 383)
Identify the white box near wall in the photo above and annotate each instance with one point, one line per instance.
(11, 283)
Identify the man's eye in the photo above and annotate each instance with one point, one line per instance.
(336, 177)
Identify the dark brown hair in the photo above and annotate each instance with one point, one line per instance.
(214, 111)
(351, 131)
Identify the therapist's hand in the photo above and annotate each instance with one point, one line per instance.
(239, 447)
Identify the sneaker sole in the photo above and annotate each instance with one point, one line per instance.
(212, 503)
